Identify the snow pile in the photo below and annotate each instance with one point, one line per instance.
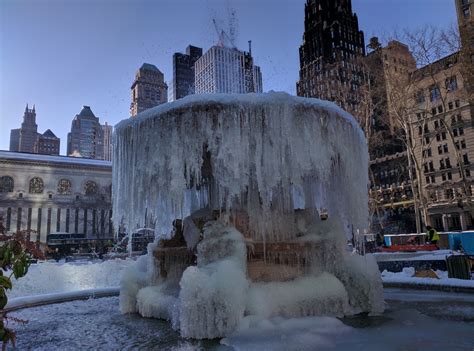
(262, 154)
(133, 279)
(49, 277)
(406, 276)
(305, 296)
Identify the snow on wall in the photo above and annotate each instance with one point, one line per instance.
(50, 277)
(269, 154)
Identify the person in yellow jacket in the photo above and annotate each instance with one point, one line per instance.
(432, 235)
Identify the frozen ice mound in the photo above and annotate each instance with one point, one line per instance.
(263, 190)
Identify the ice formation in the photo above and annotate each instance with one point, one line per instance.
(253, 199)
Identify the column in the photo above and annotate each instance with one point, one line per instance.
(462, 217)
(44, 224)
(54, 218)
(445, 223)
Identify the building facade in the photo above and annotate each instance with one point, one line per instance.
(183, 72)
(55, 194)
(227, 70)
(332, 45)
(27, 138)
(48, 143)
(86, 137)
(444, 137)
(148, 89)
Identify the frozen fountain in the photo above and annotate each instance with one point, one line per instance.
(253, 199)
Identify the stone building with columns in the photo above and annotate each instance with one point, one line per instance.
(55, 195)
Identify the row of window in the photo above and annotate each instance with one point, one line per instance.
(443, 164)
(450, 84)
(444, 176)
(36, 186)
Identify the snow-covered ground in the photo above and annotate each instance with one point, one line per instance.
(414, 256)
(52, 277)
(406, 276)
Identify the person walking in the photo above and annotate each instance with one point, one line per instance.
(432, 235)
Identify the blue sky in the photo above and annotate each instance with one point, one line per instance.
(62, 54)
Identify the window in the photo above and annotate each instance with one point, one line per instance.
(435, 93)
(447, 162)
(64, 187)
(451, 83)
(441, 164)
(457, 103)
(433, 111)
(456, 144)
(433, 179)
(449, 194)
(440, 109)
(461, 131)
(450, 176)
(428, 180)
(463, 144)
(420, 97)
(467, 172)
(455, 132)
(425, 129)
(431, 166)
(6, 184)
(445, 148)
(466, 12)
(438, 137)
(427, 140)
(420, 130)
(465, 159)
(440, 150)
(90, 188)
(443, 135)
(450, 105)
(443, 176)
(36, 185)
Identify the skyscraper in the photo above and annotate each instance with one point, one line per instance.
(24, 138)
(148, 89)
(227, 70)
(86, 136)
(332, 42)
(27, 138)
(107, 133)
(183, 72)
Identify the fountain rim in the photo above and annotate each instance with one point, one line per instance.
(201, 100)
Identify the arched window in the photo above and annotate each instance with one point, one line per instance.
(36, 185)
(90, 188)
(6, 184)
(64, 187)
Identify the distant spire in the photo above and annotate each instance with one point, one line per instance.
(26, 108)
(33, 107)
